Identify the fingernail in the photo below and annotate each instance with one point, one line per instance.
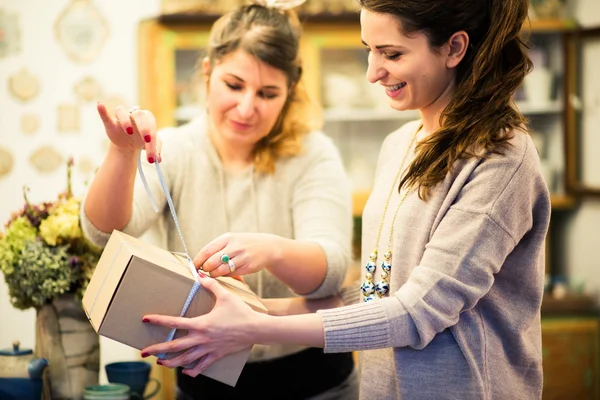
(148, 138)
(202, 274)
(129, 130)
(145, 319)
(151, 160)
(144, 355)
(159, 362)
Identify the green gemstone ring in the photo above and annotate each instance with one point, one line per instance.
(224, 258)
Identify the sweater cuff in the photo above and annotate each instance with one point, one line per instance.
(360, 326)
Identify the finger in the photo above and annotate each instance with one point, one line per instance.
(209, 250)
(107, 120)
(188, 358)
(169, 321)
(123, 117)
(201, 365)
(222, 270)
(145, 124)
(159, 149)
(173, 346)
(213, 286)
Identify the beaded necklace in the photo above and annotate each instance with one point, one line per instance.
(381, 288)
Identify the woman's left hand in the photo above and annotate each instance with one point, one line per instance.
(238, 254)
(226, 329)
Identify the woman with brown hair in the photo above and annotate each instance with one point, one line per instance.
(453, 232)
(257, 191)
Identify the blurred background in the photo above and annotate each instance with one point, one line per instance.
(58, 58)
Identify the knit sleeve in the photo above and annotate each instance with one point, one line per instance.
(466, 250)
(322, 210)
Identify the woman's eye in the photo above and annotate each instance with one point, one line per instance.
(392, 56)
(266, 95)
(233, 86)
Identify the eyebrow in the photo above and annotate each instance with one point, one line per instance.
(264, 87)
(381, 46)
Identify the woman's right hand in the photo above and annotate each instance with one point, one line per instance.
(130, 132)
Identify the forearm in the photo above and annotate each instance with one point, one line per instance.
(300, 265)
(305, 330)
(299, 305)
(109, 200)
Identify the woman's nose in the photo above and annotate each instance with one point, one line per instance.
(246, 106)
(375, 71)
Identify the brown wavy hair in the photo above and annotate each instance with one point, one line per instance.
(481, 114)
(273, 37)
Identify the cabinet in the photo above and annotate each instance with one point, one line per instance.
(571, 358)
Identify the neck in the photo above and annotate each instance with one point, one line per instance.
(430, 115)
(234, 157)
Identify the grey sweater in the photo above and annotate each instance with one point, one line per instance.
(307, 198)
(462, 320)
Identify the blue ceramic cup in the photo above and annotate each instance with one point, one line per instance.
(135, 374)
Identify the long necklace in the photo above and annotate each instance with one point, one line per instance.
(381, 288)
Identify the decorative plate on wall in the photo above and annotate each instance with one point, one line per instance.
(88, 89)
(81, 31)
(68, 118)
(30, 123)
(24, 85)
(7, 161)
(46, 159)
(10, 38)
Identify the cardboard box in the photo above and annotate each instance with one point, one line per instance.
(134, 278)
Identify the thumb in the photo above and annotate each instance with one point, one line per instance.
(212, 285)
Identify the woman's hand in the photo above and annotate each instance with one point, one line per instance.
(245, 253)
(132, 131)
(226, 329)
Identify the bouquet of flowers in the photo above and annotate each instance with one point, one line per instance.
(43, 253)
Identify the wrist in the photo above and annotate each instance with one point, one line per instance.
(125, 154)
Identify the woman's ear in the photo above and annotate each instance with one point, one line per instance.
(457, 48)
(206, 70)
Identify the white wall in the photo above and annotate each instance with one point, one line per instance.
(115, 70)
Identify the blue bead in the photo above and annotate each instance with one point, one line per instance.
(382, 287)
(386, 266)
(370, 297)
(367, 287)
(370, 267)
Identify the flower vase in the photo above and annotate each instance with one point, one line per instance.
(65, 337)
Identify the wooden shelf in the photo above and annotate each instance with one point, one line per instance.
(558, 201)
(549, 25)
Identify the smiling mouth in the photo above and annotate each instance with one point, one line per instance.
(395, 87)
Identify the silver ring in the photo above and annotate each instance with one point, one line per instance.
(132, 109)
(231, 265)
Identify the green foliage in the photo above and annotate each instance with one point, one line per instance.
(43, 253)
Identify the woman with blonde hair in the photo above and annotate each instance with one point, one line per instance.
(453, 232)
(257, 190)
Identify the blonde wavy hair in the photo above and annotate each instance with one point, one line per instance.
(273, 37)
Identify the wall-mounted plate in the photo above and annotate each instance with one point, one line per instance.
(81, 31)
(46, 159)
(7, 161)
(24, 85)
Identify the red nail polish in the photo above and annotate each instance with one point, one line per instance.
(144, 355)
(129, 130)
(148, 138)
(145, 320)
(202, 274)
(159, 362)
(151, 160)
